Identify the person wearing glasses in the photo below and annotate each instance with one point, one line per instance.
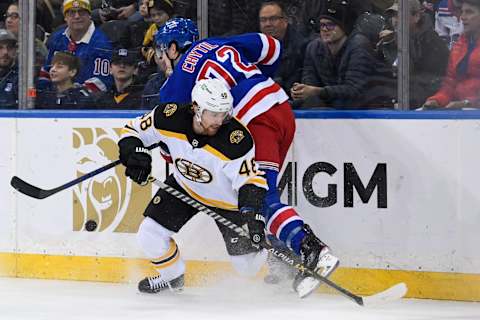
(339, 64)
(8, 70)
(12, 22)
(274, 22)
(81, 38)
(12, 19)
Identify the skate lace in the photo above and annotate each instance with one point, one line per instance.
(157, 282)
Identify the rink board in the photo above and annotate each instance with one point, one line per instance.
(394, 196)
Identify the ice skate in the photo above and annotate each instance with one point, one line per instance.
(316, 256)
(156, 284)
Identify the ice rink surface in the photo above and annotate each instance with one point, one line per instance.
(237, 299)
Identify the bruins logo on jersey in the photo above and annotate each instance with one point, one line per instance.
(237, 136)
(193, 172)
(170, 109)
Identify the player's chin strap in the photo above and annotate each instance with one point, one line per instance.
(393, 293)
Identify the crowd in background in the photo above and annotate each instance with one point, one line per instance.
(338, 54)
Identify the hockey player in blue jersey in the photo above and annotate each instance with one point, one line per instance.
(245, 63)
(83, 39)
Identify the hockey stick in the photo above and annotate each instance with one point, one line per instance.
(37, 193)
(393, 293)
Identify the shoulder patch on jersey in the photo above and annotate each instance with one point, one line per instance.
(233, 140)
(170, 109)
(173, 117)
(236, 136)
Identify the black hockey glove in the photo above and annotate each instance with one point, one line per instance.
(139, 165)
(256, 225)
(136, 158)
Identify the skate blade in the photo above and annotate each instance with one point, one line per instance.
(307, 287)
(396, 292)
(167, 291)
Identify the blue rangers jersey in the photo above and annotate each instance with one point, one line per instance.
(94, 51)
(245, 63)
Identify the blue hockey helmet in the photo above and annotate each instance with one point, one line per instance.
(182, 31)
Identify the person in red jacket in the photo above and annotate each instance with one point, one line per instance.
(461, 86)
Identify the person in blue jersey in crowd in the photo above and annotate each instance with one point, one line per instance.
(8, 70)
(84, 40)
(246, 63)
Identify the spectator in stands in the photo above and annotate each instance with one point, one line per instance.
(159, 11)
(135, 32)
(84, 40)
(274, 22)
(64, 94)
(447, 24)
(8, 70)
(339, 65)
(12, 19)
(461, 85)
(428, 52)
(309, 11)
(126, 92)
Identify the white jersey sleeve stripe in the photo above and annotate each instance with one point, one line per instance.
(259, 99)
(275, 215)
(270, 50)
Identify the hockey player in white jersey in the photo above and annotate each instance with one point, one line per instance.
(246, 64)
(213, 162)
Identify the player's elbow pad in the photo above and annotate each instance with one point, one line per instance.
(251, 196)
(126, 147)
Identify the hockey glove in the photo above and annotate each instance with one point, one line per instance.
(256, 225)
(139, 165)
(136, 158)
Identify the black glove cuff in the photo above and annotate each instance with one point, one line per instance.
(251, 214)
(251, 196)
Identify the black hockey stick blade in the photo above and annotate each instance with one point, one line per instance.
(38, 193)
(393, 293)
(29, 190)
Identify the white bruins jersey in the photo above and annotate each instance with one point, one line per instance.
(210, 169)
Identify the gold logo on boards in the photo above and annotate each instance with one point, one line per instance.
(114, 202)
